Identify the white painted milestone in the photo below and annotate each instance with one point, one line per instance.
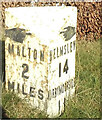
(40, 55)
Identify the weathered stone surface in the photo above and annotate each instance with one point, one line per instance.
(40, 55)
(69, 33)
(88, 19)
(16, 34)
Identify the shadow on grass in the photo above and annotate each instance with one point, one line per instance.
(4, 115)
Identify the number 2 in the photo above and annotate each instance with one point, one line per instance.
(25, 69)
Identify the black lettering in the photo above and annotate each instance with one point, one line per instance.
(60, 89)
(29, 52)
(35, 54)
(61, 51)
(53, 92)
(23, 52)
(50, 55)
(32, 92)
(23, 91)
(10, 85)
(57, 53)
(59, 69)
(49, 94)
(68, 85)
(41, 55)
(59, 107)
(40, 94)
(66, 68)
(10, 48)
(70, 46)
(67, 48)
(63, 88)
(18, 51)
(73, 45)
(57, 91)
(54, 54)
(25, 69)
(64, 49)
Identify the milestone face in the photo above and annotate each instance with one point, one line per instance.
(40, 55)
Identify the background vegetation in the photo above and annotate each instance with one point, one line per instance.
(86, 101)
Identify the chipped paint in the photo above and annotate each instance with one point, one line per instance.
(40, 55)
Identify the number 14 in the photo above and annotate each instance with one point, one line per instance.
(65, 69)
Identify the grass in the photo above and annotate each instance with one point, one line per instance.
(86, 101)
(15, 107)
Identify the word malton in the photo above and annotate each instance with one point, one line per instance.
(40, 50)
